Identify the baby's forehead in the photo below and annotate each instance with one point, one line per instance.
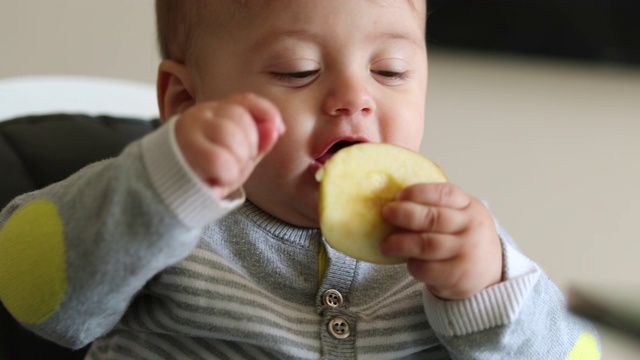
(257, 19)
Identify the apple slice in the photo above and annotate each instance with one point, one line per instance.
(354, 186)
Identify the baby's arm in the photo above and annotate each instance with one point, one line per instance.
(482, 296)
(74, 254)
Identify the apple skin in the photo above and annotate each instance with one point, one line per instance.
(354, 186)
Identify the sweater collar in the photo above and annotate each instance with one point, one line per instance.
(299, 236)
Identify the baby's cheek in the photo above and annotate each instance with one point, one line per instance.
(32, 262)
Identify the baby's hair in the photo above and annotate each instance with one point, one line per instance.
(180, 23)
(177, 24)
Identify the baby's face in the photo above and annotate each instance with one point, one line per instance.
(339, 71)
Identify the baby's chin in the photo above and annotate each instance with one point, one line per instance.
(300, 211)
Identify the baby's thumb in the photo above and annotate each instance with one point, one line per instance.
(268, 121)
(269, 125)
(268, 135)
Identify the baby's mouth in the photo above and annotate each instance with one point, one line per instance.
(332, 150)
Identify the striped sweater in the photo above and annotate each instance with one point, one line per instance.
(264, 301)
(156, 268)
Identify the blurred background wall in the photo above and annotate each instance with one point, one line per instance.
(533, 106)
(109, 38)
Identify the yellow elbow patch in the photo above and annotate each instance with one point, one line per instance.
(586, 348)
(32, 262)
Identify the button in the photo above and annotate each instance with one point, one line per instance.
(332, 298)
(339, 328)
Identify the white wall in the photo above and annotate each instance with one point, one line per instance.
(114, 38)
(553, 146)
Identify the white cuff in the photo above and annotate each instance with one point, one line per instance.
(494, 306)
(183, 192)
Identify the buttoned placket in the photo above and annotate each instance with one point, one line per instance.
(338, 322)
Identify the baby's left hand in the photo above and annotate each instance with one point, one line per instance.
(449, 237)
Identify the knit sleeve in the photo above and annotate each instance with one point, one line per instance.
(524, 316)
(74, 254)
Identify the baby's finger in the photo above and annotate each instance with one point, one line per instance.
(221, 166)
(267, 118)
(437, 194)
(234, 131)
(416, 217)
(422, 246)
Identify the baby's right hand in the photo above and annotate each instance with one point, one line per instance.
(222, 141)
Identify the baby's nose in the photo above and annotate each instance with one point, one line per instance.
(349, 97)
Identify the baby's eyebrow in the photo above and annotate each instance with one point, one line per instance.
(305, 35)
(400, 35)
(276, 35)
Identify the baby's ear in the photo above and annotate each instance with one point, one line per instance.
(174, 88)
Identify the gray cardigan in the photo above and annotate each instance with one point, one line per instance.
(157, 268)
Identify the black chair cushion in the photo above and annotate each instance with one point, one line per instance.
(39, 150)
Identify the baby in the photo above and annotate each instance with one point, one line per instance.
(201, 240)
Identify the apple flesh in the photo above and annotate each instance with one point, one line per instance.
(354, 186)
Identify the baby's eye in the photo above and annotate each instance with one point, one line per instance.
(295, 76)
(390, 74)
(390, 77)
(391, 71)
